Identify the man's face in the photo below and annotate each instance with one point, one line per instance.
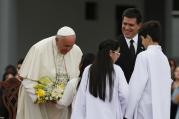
(130, 27)
(65, 44)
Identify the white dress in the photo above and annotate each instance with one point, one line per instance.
(88, 107)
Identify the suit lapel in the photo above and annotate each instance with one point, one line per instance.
(124, 45)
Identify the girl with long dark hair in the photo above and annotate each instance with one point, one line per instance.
(103, 91)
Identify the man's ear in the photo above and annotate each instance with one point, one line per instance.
(140, 25)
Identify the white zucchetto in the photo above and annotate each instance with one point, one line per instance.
(65, 31)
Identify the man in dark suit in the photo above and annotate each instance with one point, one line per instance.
(130, 41)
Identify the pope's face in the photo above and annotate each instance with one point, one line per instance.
(130, 27)
(65, 44)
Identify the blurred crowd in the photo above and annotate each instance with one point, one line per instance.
(10, 79)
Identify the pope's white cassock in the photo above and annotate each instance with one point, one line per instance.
(43, 59)
(150, 86)
(87, 106)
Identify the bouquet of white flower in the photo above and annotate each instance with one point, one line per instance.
(48, 90)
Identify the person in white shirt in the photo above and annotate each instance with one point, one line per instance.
(150, 83)
(103, 91)
(57, 57)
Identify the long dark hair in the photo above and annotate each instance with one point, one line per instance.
(86, 60)
(102, 70)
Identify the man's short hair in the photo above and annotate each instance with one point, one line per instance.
(133, 13)
(153, 29)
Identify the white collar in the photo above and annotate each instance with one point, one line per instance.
(154, 47)
(135, 38)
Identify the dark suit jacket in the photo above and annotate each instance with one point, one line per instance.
(125, 60)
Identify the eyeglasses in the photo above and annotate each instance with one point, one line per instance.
(116, 52)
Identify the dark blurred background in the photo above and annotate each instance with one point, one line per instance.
(25, 22)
